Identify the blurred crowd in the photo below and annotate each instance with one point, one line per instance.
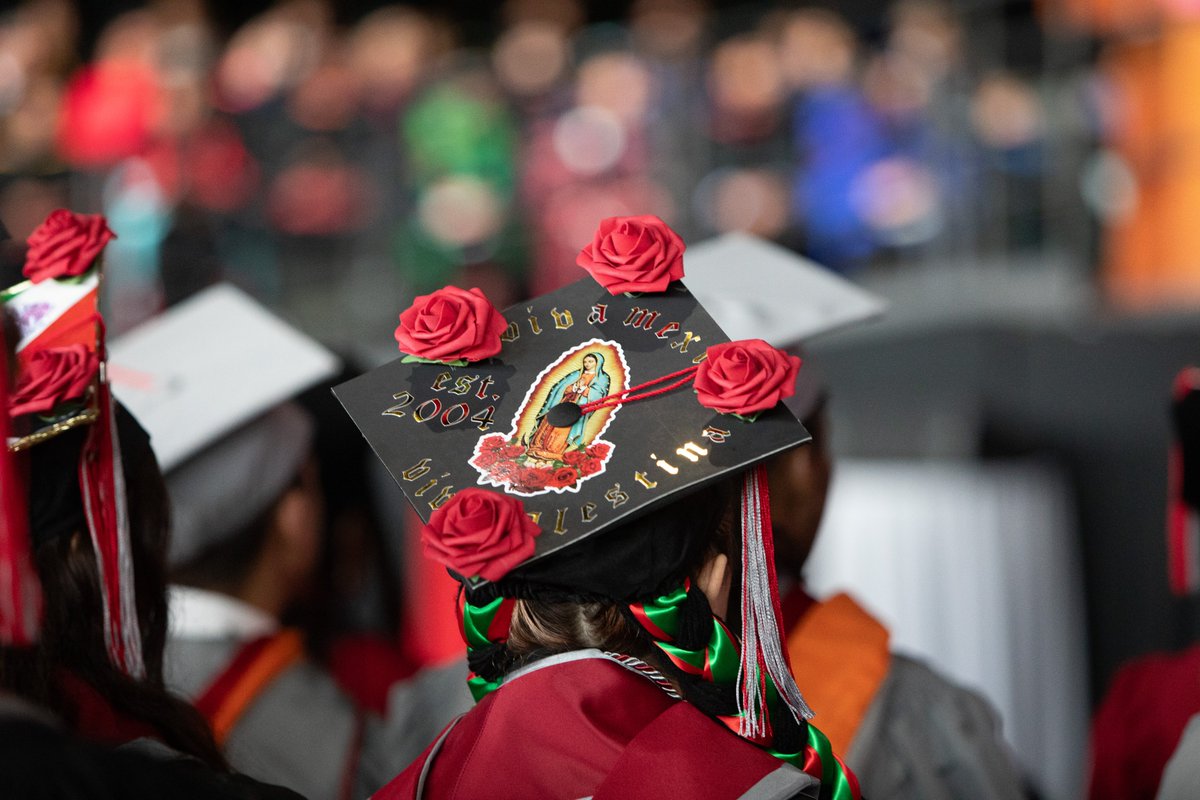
(297, 147)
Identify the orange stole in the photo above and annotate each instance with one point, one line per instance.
(255, 666)
(840, 658)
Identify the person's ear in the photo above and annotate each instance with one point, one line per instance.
(715, 580)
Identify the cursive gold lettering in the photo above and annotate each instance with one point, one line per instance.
(644, 480)
(615, 496)
(692, 451)
(682, 345)
(417, 470)
(562, 319)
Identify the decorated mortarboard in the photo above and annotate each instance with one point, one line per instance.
(590, 405)
(758, 289)
(210, 379)
(61, 385)
(528, 440)
(59, 334)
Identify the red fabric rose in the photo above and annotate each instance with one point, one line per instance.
(480, 532)
(563, 477)
(575, 457)
(745, 377)
(451, 324)
(512, 450)
(65, 245)
(52, 376)
(633, 254)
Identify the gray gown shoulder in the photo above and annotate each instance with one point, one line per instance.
(305, 733)
(1181, 778)
(926, 738)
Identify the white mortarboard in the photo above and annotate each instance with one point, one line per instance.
(209, 379)
(756, 289)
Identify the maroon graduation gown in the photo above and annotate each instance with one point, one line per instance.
(582, 725)
(1139, 723)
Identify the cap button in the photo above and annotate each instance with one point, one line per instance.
(564, 415)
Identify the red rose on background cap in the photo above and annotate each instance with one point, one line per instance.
(745, 377)
(478, 532)
(52, 376)
(65, 245)
(451, 324)
(633, 254)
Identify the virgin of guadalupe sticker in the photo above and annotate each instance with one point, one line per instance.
(535, 456)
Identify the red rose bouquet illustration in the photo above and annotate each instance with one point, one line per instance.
(510, 464)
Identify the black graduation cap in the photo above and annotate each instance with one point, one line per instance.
(440, 429)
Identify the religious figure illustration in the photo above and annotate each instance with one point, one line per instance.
(537, 456)
(588, 383)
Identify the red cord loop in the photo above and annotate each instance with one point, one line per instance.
(684, 375)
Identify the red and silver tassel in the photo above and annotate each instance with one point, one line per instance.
(763, 653)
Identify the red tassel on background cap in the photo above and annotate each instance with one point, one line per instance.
(20, 591)
(1183, 470)
(102, 482)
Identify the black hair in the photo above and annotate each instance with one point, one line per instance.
(581, 596)
(71, 640)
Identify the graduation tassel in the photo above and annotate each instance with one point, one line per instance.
(762, 654)
(102, 483)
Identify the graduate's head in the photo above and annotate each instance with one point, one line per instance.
(73, 625)
(211, 379)
(249, 508)
(576, 598)
(805, 301)
(95, 504)
(799, 478)
(632, 537)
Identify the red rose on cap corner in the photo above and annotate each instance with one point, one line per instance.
(52, 376)
(451, 324)
(633, 254)
(745, 377)
(65, 245)
(478, 532)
